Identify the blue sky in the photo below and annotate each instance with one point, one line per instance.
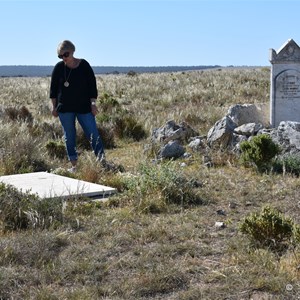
(147, 32)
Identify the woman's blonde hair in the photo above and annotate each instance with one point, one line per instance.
(64, 46)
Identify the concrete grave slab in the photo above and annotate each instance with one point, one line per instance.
(47, 185)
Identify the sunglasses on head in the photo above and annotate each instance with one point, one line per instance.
(66, 54)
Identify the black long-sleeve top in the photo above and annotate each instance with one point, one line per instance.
(82, 87)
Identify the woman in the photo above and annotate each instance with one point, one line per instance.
(73, 92)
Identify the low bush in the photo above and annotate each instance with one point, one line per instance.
(270, 229)
(123, 123)
(20, 152)
(287, 164)
(259, 151)
(19, 114)
(108, 103)
(107, 136)
(46, 129)
(159, 186)
(56, 148)
(24, 210)
(128, 127)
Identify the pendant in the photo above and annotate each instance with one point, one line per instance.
(66, 84)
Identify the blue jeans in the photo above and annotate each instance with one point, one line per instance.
(88, 124)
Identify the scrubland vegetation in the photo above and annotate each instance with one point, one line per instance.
(156, 238)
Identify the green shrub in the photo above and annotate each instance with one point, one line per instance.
(158, 186)
(260, 151)
(24, 210)
(108, 103)
(131, 73)
(124, 125)
(128, 127)
(46, 129)
(270, 229)
(20, 152)
(287, 164)
(296, 234)
(56, 148)
(13, 205)
(107, 136)
(19, 114)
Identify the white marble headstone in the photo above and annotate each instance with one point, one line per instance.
(285, 84)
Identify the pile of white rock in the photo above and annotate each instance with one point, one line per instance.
(241, 122)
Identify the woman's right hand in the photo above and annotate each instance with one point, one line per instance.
(54, 112)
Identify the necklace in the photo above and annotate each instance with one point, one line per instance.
(66, 83)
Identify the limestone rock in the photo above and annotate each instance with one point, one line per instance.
(287, 135)
(249, 113)
(173, 149)
(248, 129)
(172, 131)
(221, 133)
(196, 144)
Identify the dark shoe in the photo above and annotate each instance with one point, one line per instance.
(110, 166)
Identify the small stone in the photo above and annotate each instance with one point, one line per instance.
(221, 212)
(220, 225)
(232, 205)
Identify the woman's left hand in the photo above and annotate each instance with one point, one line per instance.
(94, 109)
